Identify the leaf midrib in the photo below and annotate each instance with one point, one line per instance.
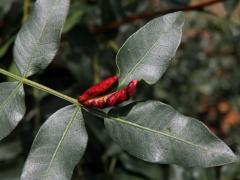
(123, 121)
(38, 41)
(120, 120)
(62, 139)
(10, 96)
(142, 58)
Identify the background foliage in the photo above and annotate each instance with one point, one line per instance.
(203, 81)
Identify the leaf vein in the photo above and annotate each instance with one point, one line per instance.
(38, 41)
(142, 58)
(155, 131)
(62, 138)
(12, 94)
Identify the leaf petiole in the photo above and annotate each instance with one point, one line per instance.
(40, 87)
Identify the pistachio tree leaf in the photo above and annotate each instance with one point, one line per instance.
(37, 41)
(12, 106)
(58, 146)
(155, 132)
(147, 53)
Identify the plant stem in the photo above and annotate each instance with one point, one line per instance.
(146, 15)
(53, 92)
(96, 70)
(40, 87)
(112, 165)
(26, 5)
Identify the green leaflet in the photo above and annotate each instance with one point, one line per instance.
(155, 132)
(58, 146)
(147, 53)
(37, 41)
(12, 106)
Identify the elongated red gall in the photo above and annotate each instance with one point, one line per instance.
(99, 102)
(122, 94)
(113, 98)
(98, 89)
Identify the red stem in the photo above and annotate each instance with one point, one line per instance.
(146, 15)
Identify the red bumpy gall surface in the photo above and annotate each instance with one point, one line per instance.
(99, 102)
(114, 98)
(98, 89)
(122, 94)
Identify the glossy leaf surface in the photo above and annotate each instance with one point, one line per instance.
(155, 132)
(37, 41)
(147, 53)
(58, 146)
(12, 107)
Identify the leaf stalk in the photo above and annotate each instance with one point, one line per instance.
(39, 86)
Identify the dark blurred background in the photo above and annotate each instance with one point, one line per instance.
(203, 80)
